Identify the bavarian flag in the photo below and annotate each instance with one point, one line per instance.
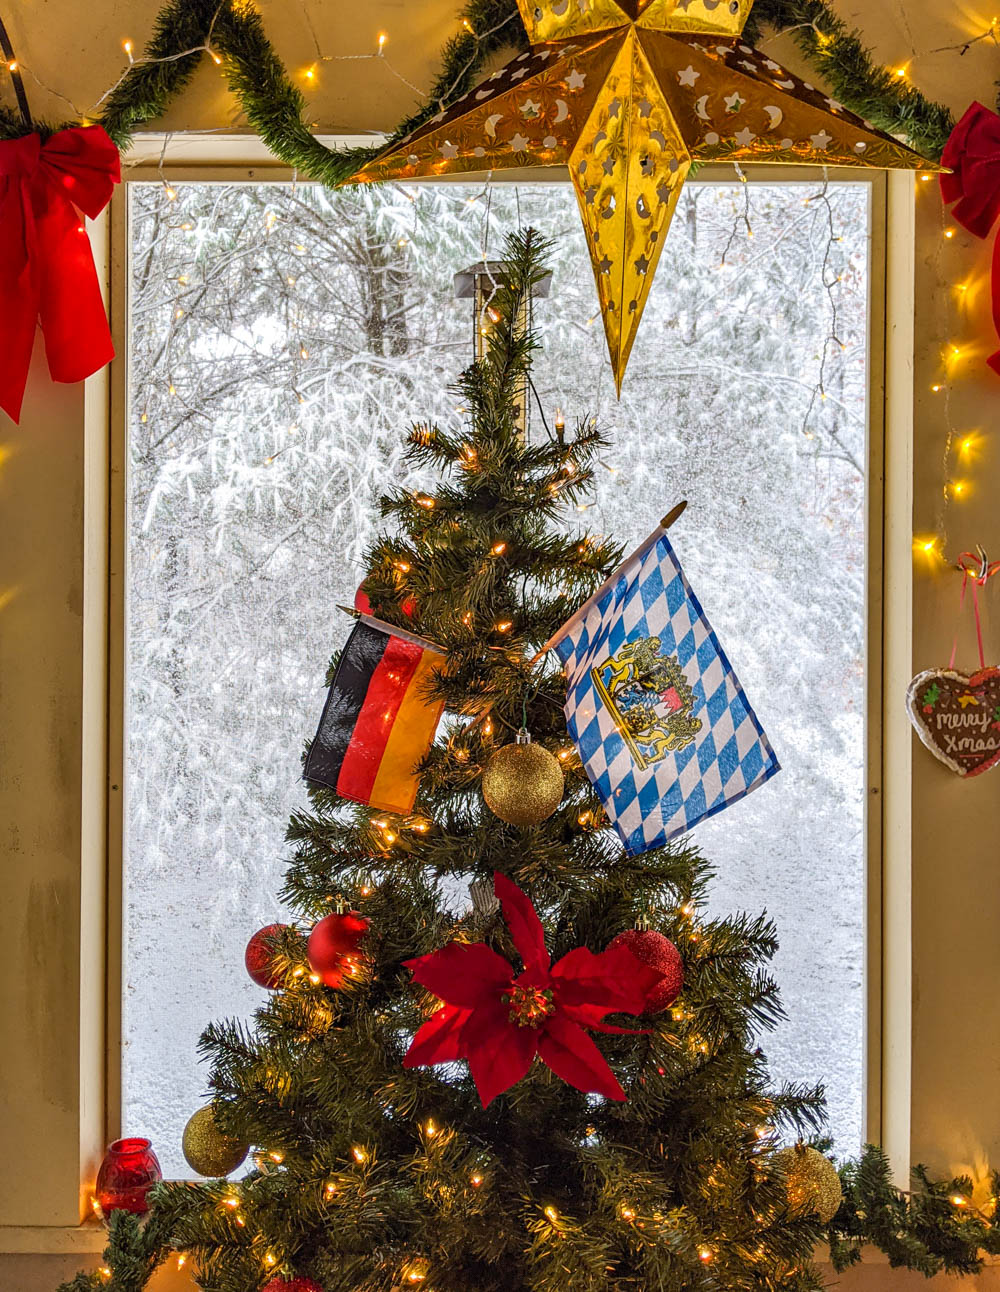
(377, 722)
(664, 728)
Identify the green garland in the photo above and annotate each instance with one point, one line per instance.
(934, 1229)
(274, 106)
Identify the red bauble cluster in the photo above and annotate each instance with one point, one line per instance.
(291, 1285)
(659, 953)
(127, 1174)
(333, 947)
(259, 957)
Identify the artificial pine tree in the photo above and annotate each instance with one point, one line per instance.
(375, 1177)
(372, 1177)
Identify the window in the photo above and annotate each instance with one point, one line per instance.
(282, 340)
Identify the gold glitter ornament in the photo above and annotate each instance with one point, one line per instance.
(523, 783)
(811, 1180)
(628, 94)
(207, 1150)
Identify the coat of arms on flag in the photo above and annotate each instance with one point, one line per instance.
(377, 722)
(663, 726)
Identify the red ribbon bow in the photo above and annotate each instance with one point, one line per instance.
(499, 1020)
(46, 265)
(972, 153)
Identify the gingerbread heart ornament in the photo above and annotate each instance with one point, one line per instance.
(958, 717)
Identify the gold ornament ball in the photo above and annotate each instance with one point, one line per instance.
(523, 784)
(207, 1150)
(811, 1180)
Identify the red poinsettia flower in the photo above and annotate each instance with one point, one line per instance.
(499, 1020)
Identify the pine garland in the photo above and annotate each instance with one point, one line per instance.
(274, 106)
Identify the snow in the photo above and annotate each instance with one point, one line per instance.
(283, 340)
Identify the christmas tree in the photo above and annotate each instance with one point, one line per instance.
(650, 1158)
(370, 1174)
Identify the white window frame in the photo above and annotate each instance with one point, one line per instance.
(214, 159)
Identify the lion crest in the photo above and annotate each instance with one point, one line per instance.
(649, 698)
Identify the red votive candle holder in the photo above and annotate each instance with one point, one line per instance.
(127, 1174)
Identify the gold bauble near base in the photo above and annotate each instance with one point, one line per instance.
(207, 1150)
(811, 1180)
(523, 783)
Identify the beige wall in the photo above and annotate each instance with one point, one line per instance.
(943, 1096)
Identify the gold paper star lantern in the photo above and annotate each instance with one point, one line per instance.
(627, 93)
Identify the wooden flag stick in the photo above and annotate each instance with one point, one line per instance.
(672, 515)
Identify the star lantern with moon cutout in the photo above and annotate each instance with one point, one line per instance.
(627, 94)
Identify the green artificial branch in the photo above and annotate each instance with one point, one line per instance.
(362, 1164)
(274, 107)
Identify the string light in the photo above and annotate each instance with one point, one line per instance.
(359, 1154)
(475, 1180)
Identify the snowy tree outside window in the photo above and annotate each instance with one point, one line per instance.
(283, 339)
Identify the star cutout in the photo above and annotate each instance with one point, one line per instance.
(627, 94)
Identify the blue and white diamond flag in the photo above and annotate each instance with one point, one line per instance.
(663, 726)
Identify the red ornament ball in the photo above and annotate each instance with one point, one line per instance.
(659, 953)
(259, 955)
(363, 605)
(291, 1285)
(333, 947)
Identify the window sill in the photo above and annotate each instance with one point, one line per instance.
(44, 1240)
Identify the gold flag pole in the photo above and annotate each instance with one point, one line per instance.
(674, 514)
(392, 630)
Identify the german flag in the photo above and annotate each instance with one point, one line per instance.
(377, 724)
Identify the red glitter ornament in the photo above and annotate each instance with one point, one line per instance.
(333, 947)
(127, 1174)
(259, 957)
(659, 953)
(291, 1285)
